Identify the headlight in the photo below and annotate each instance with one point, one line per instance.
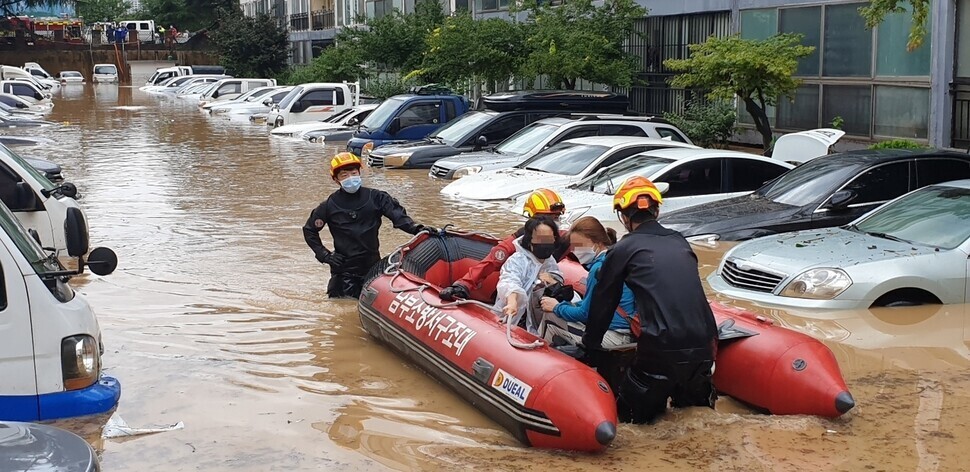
(80, 361)
(366, 150)
(576, 213)
(396, 160)
(819, 284)
(466, 171)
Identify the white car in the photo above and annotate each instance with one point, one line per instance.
(252, 106)
(24, 107)
(104, 73)
(70, 77)
(694, 176)
(343, 119)
(565, 163)
(194, 91)
(249, 96)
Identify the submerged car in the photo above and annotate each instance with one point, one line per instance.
(70, 77)
(827, 191)
(104, 73)
(565, 163)
(344, 120)
(33, 447)
(914, 250)
(252, 105)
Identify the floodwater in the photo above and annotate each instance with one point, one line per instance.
(217, 317)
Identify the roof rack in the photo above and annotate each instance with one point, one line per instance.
(607, 116)
(430, 89)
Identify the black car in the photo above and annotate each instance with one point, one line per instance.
(39, 447)
(827, 191)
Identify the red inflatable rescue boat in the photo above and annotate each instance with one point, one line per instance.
(543, 397)
(769, 367)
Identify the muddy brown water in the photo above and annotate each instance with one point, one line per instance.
(217, 316)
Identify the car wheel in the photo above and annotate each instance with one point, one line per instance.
(906, 297)
(899, 303)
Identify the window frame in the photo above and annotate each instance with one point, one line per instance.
(909, 181)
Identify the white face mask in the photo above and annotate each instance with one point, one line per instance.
(585, 255)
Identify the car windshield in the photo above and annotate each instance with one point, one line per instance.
(382, 113)
(28, 247)
(526, 139)
(606, 180)
(457, 131)
(290, 97)
(564, 158)
(935, 216)
(179, 81)
(167, 81)
(810, 182)
(256, 95)
(27, 168)
(336, 117)
(105, 70)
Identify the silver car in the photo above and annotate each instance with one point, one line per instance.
(913, 250)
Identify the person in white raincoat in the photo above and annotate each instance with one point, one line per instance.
(526, 272)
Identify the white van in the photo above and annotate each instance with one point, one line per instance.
(50, 340)
(104, 73)
(39, 204)
(227, 89)
(145, 28)
(314, 102)
(25, 90)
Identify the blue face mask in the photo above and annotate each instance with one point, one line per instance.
(351, 184)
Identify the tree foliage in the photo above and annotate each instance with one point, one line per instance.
(877, 10)
(15, 7)
(186, 15)
(397, 41)
(464, 48)
(250, 46)
(757, 72)
(337, 63)
(103, 10)
(578, 40)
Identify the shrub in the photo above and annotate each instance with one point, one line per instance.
(898, 144)
(387, 87)
(707, 124)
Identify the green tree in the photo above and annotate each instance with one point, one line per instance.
(165, 12)
(578, 40)
(464, 49)
(758, 72)
(103, 10)
(396, 42)
(15, 7)
(877, 10)
(340, 62)
(250, 46)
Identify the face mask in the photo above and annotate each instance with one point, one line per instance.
(351, 184)
(543, 251)
(585, 255)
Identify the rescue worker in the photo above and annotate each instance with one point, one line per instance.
(353, 214)
(542, 202)
(675, 350)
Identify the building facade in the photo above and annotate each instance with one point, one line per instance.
(864, 78)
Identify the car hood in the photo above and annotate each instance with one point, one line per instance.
(298, 128)
(503, 184)
(43, 165)
(477, 159)
(732, 214)
(412, 147)
(793, 253)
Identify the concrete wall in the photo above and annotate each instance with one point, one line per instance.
(83, 61)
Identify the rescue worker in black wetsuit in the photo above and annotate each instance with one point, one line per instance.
(676, 347)
(353, 214)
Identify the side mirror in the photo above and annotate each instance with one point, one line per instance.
(38, 96)
(298, 106)
(215, 94)
(395, 125)
(102, 261)
(268, 102)
(353, 121)
(26, 198)
(66, 189)
(841, 199)
(76, 232)
(481, 142)
(662, 186)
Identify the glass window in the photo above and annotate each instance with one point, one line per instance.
(577, 132)
(935, 170)
(701, 177)
(503, 128)
(670, 133)
(759, 24)
(526, 139)
(421, 114)
(745, 117)
(564, 159)
(963, 38)
(809, 182)
(318, 97)
(485, 5)
(851, 102)
(621, 155)
(808, 23)
(902, 112)
(881, 184)
(604, 182)
(934, 216)
(619, 130)
(848, 43)
(380, 114)
(892, 58)
(748, 175)
(800, 112)
(449, 110)
(459, 130)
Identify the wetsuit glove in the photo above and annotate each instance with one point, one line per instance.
(430, 229)
(452, 292)
(334, 260)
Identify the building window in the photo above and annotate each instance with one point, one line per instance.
(808, 23)
(851, 102)
(848, 43)
(800, 111)
(901, 112)
(491, 5)
(759, 24)
(892, 58)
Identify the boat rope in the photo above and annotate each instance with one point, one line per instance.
(396, 258)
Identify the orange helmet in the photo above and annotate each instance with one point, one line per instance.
(344, 159)
(543, 202)
(636, 190)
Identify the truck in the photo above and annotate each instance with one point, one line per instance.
(164, 73)
(407, 117)
(314, 102)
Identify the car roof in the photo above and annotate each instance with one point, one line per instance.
(878, 156)
(965, 183)
(616, 141)
(688, 153)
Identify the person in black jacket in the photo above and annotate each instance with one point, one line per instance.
(353, 214)
(676, 347)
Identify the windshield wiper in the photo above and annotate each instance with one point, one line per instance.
(887, 236)
(534, 169)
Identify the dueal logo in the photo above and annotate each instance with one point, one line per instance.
(511, 387)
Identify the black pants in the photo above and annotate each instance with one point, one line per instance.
(644, 391)
(345, 285)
